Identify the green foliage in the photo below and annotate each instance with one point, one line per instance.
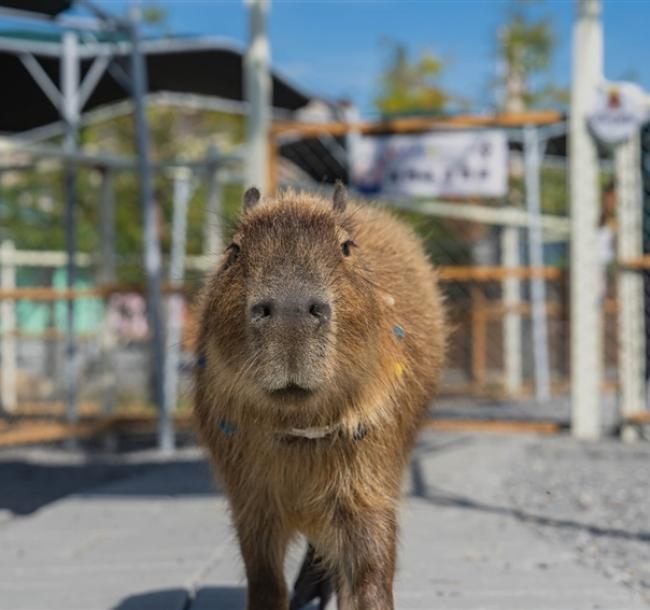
(525, 46)
(155, 19)
(554, 191)
(411, 87)
(153, 14)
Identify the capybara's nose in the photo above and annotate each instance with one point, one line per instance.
(291, 310)
(320, 310)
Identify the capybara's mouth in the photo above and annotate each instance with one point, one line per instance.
(293, 391)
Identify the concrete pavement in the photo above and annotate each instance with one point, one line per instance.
(155, 536)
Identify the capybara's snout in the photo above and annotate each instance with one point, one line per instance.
(290, 331)
(307, 310)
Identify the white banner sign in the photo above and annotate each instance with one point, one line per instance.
(441, 164)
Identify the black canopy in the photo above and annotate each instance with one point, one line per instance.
(181, 65)
(45, 7)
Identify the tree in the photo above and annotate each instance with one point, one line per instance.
(155, 19)
(411, 87)
(525, 48)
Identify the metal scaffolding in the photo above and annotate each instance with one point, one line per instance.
(212, 171)
(69, 98)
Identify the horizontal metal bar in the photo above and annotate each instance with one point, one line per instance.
(17, 46)
(446, 274)
(38, 293)
(16, 13)
(58, 258)
(503, 216)
(61, 20)
(493, 273)
(116, 162)
(43, 258)
(124, 107)
(418, 124)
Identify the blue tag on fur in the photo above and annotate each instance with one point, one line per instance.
(399, 331)
(227, 428)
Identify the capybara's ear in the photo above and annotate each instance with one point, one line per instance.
(340, 198)
(251, 198)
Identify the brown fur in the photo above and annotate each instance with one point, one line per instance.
(338, 491)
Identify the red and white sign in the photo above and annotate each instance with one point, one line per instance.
(620, 110)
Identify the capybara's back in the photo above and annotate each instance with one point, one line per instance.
(321, 340)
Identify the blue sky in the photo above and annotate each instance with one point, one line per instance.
(336, 48)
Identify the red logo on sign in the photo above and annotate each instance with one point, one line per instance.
(614, 99)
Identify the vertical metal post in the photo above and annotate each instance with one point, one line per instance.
(212, 226)
(152, 255)
(352, 137)
(536, 258)
(258, 92)
(631, 331)
(70, 99)
(107, 276)
(644, 141)
(182, 193)
(512, 320)
(586, 323)
(8, 398)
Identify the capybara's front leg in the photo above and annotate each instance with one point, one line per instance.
(263, 549)
(370, 563)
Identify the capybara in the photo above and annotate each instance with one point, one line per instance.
(321, 339)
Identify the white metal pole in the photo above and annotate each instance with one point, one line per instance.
(8, 355)
(536, 257)
(586, 323)
(213, 224)
(512, 320)
(152, 253)
(258, 91)
(182, 193)
(353, 137)
(107, 276)
(70, 73)
(631, 329)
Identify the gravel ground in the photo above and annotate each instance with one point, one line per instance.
(594, 498)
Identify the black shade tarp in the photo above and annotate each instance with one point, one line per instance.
(184, 66)
(45, 7)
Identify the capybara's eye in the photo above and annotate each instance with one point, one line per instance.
(233, 251)
(346, 245)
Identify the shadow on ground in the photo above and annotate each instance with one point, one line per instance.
(27, 485)
(31, 482)
(206, 598)
(224, 598)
